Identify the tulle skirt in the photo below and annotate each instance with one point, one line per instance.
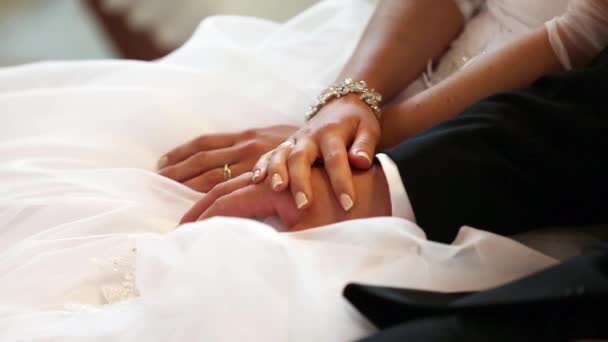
(89, 249)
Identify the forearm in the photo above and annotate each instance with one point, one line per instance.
(516, 65)
(400, 38)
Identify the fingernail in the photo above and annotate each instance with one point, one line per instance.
(346, 201)
(301, 200)
(364, 155)
(256, 174)
(277, 180)
(162, 162)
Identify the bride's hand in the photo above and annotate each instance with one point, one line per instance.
(199, 164)
(240, 198)
(344, 133)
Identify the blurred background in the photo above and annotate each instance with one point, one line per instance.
(36, 30)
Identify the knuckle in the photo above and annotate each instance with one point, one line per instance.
(253, 146)
(220, 204)
(171, 155)
(214, 180)
(249, 133)
(374, 133)
(304, 132)
(215, 177)
(265, 158)
(365, 143)
(328, 129)
(200, 159)
(200, 142)
(273, 154)
(201, 187)
(274, 168)
(216, 191)
(297, 156)
(278, 156)
(262, 163)
(333, 157)
(168, 172)
(293, 165)
(298, 181)
(273, 163)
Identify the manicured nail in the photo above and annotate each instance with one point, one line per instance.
(364, 155)
(162, 162)
(277, 180)
(301, 200)
(346, 202)
(256, 174)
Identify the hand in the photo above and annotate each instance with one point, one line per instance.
(199, 163)
(241, 198)
(345, 132)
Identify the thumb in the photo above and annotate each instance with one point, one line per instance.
(363, 148)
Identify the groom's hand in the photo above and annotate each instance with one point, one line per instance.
(240, 198)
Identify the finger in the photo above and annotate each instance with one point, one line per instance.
(200, 163)
(217, 192)
(300, 162)
(211, 178)
(338, 169)
(278, 178)
(363, 147)
(244, 203)
(203, 143)
(261, 167)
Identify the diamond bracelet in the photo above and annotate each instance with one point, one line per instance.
(371, 97)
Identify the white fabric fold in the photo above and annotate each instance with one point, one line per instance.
(468, 7)
(582, 30)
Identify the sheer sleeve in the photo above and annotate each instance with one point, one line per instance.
(468, 7)
(582, 32)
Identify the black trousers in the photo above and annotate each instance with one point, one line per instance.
(515, 161)
(566, 303)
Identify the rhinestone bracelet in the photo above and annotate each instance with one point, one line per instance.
(371, 97)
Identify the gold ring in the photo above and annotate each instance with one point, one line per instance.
(289, 143)
(227, 173)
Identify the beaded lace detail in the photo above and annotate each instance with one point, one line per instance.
(122, 287)
(123, 267)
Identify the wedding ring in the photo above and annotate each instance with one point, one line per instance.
(227, 173)
(289, 143)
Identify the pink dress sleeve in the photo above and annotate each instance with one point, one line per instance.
(581, 31)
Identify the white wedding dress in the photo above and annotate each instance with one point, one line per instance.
(88, 245)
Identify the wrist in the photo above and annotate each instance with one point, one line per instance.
(347, 104)
(397, 122)
(367, 96)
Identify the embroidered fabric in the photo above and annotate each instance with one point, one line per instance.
(123, 268)
(118, 282)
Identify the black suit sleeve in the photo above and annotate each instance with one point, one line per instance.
(515, 161)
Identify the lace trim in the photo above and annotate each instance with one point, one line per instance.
(124, 267)
(122, 270)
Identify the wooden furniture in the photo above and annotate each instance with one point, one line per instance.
(129, 43)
